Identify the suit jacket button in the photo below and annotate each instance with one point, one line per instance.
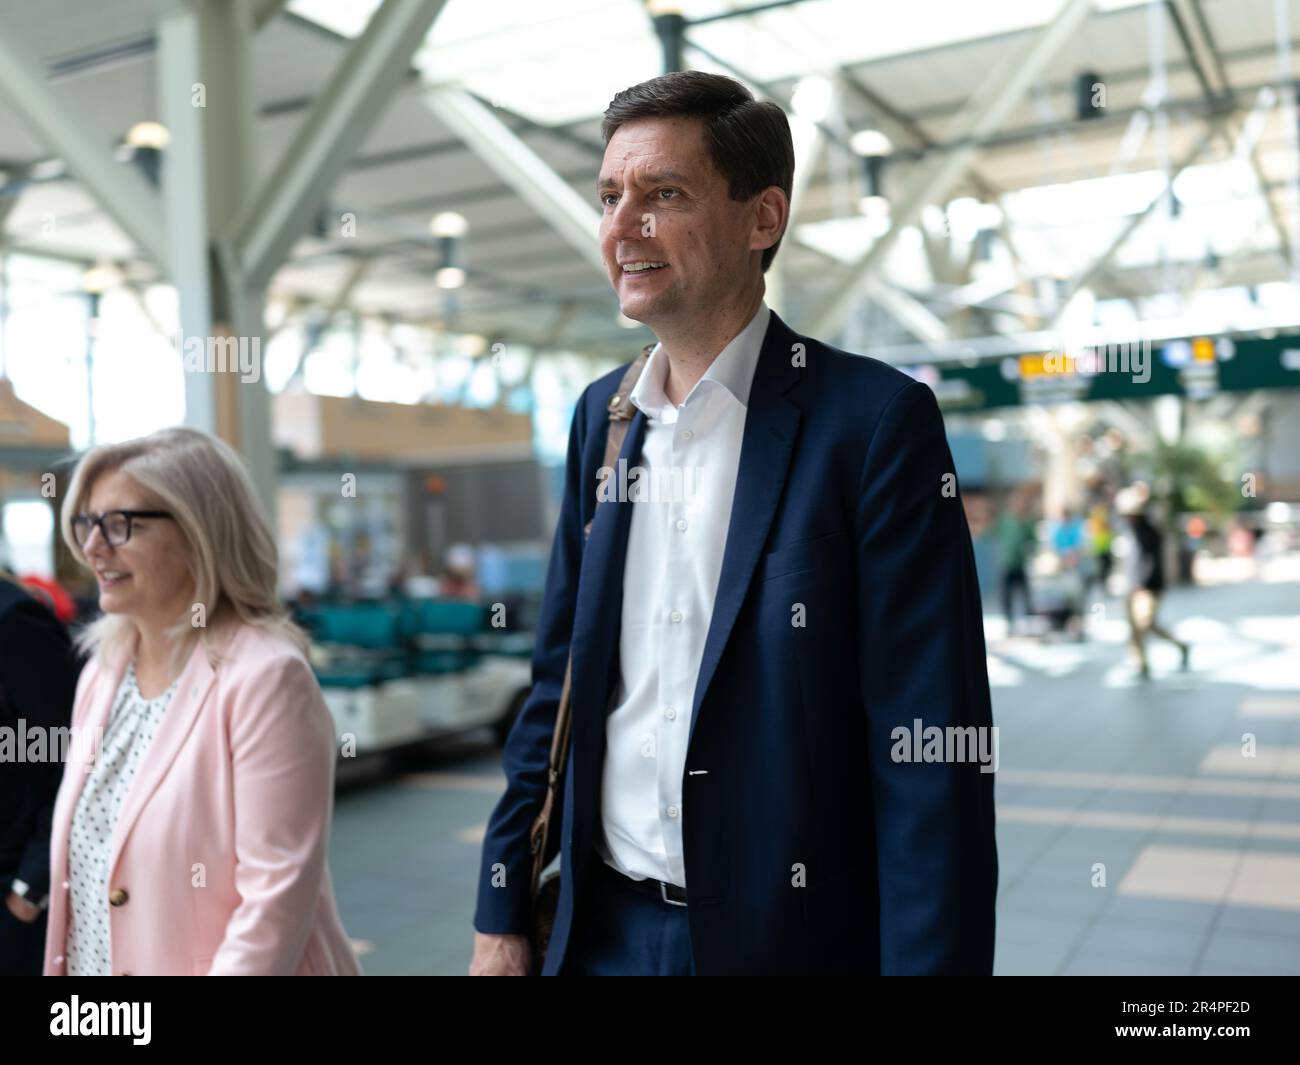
(118, 897)
(122, 974)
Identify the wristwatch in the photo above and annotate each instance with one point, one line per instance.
(21, 889)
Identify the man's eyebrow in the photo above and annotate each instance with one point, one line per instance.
(655, 178)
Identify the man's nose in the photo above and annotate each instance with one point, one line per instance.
(625, 221)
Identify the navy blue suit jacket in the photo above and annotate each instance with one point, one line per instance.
(807, 847)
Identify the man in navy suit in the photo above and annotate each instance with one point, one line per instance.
(780, 707)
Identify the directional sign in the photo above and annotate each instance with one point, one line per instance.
(1195, 367)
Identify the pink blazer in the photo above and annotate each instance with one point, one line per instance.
(218, 859)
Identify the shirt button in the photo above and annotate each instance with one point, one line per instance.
(687, 434)
(670, 713)
(681, 524)
(673, 811)
(676, 616)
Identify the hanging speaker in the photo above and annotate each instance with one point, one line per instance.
(1089, 95)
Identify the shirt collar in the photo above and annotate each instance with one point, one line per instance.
(733, 368)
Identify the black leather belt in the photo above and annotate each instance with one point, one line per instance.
(660, 889)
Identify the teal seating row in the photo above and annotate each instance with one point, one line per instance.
(367, 643)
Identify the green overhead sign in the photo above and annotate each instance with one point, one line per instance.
(1195, 367)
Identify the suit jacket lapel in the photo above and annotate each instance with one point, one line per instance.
(598, 615)
(771, 425)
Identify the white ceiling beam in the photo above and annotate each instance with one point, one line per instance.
(7, 205)
(574, 217)
(52, 252)
(907, 311)
(339, 121)
(809, 142)
(1199, 48)
(265, 11)
(315, 331)
(990, 104)
(1084, 276)
(1242, 136)
(994, 292)
(121, 191)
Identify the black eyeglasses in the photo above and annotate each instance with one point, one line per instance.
(114, 525)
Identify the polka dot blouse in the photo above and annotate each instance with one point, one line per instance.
(130, 730)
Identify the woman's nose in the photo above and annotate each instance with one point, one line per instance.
(95, 543)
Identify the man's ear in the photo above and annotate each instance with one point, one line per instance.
(771, 216)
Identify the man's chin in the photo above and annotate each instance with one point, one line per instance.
(644, 311)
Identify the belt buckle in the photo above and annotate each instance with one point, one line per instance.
(663, 893)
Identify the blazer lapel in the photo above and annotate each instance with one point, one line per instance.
(87, 741)
(178, 719)
(771, 425)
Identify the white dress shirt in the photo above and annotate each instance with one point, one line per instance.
(674, 559)
(131, 727)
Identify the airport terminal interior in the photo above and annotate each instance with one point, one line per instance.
(358, 241)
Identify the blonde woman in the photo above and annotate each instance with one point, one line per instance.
(191, 829)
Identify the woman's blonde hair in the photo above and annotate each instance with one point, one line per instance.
(203, 484)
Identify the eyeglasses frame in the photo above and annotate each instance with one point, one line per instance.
(98, 522)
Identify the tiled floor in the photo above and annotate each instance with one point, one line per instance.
(1198, 832)
(1135, 836)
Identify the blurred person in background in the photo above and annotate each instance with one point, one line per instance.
(1016, 537)
(1101, 538)
(194, 839)
(53, 595)
(38, 677)
(1075, 573)
(458, 580)
(1240, 541)
(1146, 577)
(1069, 540)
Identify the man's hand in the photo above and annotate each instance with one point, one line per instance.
(25, 911)
(500, 955)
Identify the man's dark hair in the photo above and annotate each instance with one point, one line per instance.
(748, 140)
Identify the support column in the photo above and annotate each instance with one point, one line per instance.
(206, 92)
